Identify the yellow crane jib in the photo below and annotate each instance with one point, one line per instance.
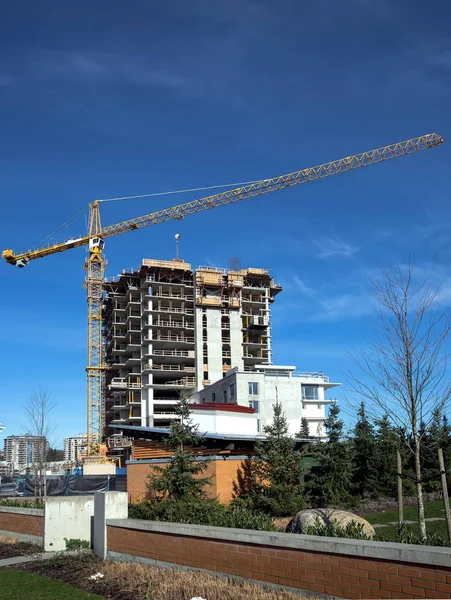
(95, 263)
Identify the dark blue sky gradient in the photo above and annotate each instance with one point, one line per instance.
(105, 99)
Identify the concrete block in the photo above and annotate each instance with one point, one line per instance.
(68, 517)
(107, 505)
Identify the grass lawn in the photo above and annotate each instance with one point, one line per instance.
(18, 585)
(431, 509)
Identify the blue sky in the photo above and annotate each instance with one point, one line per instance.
(106, 99)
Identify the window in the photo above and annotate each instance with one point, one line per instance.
(310, 392)
(319, 406)
(213, 397)
(232, 391)
(258, 425)
(253, 388)
(203, 400)
(255, 404)
(225, 394)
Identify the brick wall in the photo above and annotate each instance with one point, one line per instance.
(222, 473)
(346, 568)
(23, 521)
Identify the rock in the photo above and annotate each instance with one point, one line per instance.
(310, 516)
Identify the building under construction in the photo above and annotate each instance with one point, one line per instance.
(171, 330)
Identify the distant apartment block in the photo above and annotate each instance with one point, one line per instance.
(75, 448)
(24, 451)
(172, 330)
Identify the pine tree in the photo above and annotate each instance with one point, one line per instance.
(271, 483)
(387, 443)
(304, 432)
(330, 481)
(179, 479)
(363, 449)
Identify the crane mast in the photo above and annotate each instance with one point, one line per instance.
(95, 263)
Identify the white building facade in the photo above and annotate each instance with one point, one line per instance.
(24, 451)
(75, 447)
(300, 394)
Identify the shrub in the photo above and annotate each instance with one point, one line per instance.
(19, 504)
(352, 530)
(77, 544)
(404, 535)
(197, 511)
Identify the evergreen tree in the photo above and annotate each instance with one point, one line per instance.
(304, 432)
(330, 481)
(54, 455)
(387, 443)
(179, 480)
(271, 482)
(363, 448)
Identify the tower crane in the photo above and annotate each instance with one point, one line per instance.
(95, 262)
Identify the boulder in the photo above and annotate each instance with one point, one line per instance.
(311, 516)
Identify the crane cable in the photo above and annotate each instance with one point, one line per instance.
(63, 226)
(199, 189)
(169, 193)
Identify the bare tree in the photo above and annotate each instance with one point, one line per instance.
(40, 424)
(404, 372)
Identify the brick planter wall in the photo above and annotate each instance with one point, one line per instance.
(346, 568)
(22, 523)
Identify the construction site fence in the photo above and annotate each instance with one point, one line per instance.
(73, 485)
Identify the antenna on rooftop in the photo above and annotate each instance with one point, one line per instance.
(177, 238)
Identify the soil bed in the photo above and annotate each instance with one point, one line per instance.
(127, 581)
(10, 548)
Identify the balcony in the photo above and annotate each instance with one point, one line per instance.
(168, 368)
(312, 375)
(171, 310)
(173, 324)
(184, 353)
(254, 298)
(122, 384)
(172, 295)
(119, 333)
(171, 338)
(165, 416)
(184, 382)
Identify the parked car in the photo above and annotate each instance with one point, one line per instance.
(8, 487)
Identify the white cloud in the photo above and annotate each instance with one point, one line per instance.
(333, 246)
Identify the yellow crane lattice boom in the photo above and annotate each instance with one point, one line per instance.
(95, 263)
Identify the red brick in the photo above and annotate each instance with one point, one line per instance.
(340, 570)
(377, 575)
(288, 582)
(414, 591)
(443, 587)
(410, 572)
(358, 572)
(384, 568)
(371, 583)
(349, 579)
(434, 594)
(329, 560)
(394, 587)
(400, 579)
(423, 583)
